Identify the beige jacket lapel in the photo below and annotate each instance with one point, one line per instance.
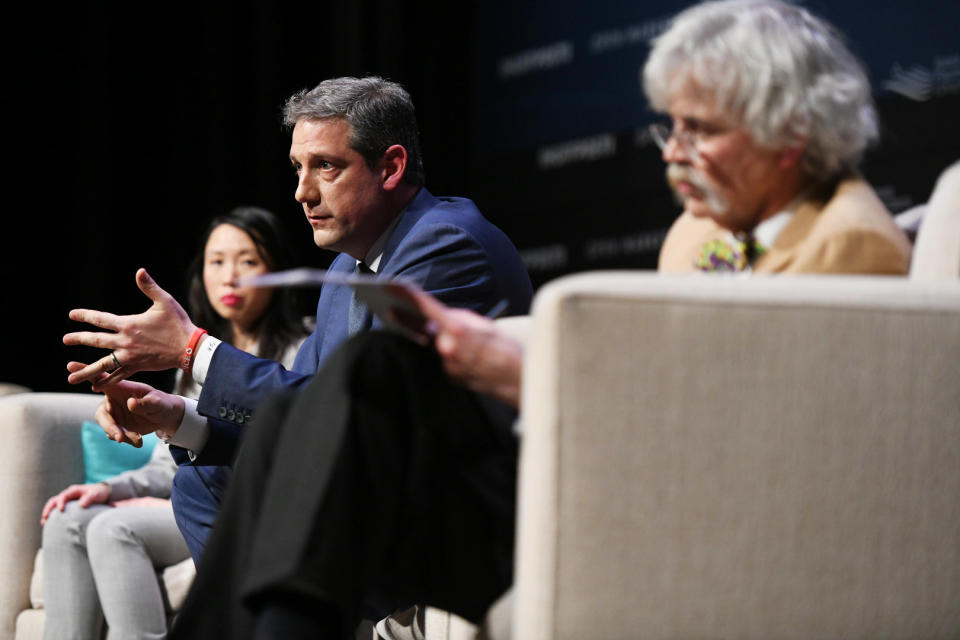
(844, 229)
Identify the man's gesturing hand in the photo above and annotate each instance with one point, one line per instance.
(151, 341)
(130, 410)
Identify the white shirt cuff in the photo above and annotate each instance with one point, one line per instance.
(201, 362)
(194, 430)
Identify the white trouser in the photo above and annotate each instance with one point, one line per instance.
(106, 557)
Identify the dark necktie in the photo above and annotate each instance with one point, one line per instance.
(734, 253)
(357, 319)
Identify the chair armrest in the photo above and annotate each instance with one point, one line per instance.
(41, 454)
(936, 253)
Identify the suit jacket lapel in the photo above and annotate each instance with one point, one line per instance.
(333, 310)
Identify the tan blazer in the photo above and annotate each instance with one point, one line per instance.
(845, 229)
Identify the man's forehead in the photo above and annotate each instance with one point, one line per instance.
(313, 131)
(693, 103)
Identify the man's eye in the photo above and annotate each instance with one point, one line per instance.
(705, 129)
(326, 166)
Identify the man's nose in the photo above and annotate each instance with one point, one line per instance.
(675, 152)
(306, 190)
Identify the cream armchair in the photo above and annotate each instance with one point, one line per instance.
(41, 456)
(763, 457)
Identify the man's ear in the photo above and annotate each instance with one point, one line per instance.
(393, 165)
(790, 156)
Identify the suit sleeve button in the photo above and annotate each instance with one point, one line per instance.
(223, 412)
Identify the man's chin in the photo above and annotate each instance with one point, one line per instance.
(325, 239)
(697, 207)
(678, 197)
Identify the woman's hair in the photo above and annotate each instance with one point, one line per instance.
(280, 325)
(783, 73)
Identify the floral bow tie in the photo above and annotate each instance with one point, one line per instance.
(735, 253)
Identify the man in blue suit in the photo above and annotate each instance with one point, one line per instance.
(356, 153)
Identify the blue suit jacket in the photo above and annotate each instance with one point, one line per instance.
(443, 244)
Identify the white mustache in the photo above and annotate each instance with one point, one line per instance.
(682, 173)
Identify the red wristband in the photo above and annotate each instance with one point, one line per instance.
(187, 363)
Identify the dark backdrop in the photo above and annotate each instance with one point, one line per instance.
(135, 125)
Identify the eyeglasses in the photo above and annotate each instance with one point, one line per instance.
(687, 139)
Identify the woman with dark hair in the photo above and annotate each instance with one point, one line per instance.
(104, 542)
(246, 241)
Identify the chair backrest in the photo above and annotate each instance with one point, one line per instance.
(764, 457)
(936, 252)
(40, 455)
(8, 389)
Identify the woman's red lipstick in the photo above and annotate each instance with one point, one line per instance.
(231, 300)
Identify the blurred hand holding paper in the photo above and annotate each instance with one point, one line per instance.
(395, 300)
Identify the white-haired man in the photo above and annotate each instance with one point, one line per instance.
(770, 116)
